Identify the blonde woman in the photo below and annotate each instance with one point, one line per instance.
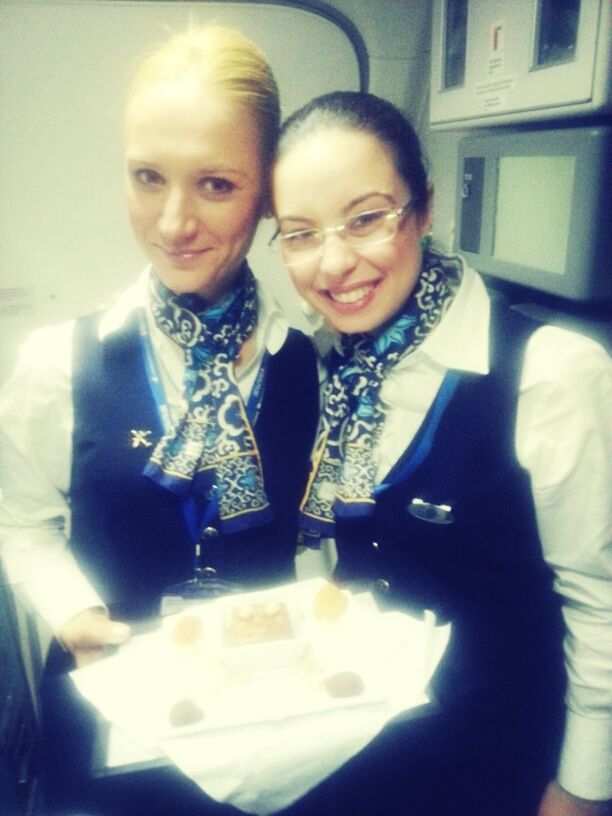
(174, 426)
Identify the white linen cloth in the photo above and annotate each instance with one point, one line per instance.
(270, 735)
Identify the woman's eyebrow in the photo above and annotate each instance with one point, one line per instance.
(298, 220)
(135, 161)
(364, 197)
(220, 170)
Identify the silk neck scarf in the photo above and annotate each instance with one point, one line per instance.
(344, 470)
(211, 450)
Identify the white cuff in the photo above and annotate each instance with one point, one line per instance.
(585, 768)
(40, 565)
(59, 590)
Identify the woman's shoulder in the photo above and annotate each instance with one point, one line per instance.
(559, 355)
(41, 379)
(45, 356)
(46, 351)
(553, 347)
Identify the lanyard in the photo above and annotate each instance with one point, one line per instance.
(421, 445)
(195, 517)
(154, 375)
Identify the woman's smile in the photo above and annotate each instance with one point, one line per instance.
(194, 183)
(354, 297)
(355, 285)
(184, 257)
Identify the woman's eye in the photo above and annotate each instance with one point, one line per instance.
(365, 221)
(146, 176)
(215, 186)
(303, 239)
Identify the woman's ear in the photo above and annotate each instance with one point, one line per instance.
(265, 207)
(425, 219)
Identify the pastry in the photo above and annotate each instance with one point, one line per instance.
(329, 603)
(257, 623)
(344, 684)
(185, 712)
(187, 630)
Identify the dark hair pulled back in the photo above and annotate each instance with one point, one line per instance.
(371, 114)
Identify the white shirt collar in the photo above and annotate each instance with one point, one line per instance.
(117, 315)
(272, 324)
(460, 341)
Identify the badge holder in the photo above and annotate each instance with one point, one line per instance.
(206, 583)
(204, 586)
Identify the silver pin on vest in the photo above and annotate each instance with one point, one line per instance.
(140, 438)
(434, 513)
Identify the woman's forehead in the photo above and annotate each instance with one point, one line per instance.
(334, 164)
(167, 117)
(332, 147)
(184, 96)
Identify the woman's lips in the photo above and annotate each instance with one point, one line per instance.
(353, 299)
(183, 257)
(352, 295)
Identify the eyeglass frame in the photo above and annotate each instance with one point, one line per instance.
(394, 213)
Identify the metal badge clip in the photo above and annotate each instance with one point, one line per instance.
(434, 513)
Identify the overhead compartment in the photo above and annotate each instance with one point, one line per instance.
(501, 61)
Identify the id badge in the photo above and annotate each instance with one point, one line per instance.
(204, 586)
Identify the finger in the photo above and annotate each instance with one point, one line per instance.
(84, 657)
(92, 628)
(101, 636)
(109, 633)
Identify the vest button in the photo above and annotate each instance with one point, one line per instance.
(382, 585)
(210, 534)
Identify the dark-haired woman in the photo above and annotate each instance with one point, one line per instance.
(463, 464)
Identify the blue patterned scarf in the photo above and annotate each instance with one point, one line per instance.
(343, 468)
(211, 446)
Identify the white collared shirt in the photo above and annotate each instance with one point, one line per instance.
(563, 438)
(36, 422)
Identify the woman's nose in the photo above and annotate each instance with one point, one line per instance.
(178, 220)
(337, 257)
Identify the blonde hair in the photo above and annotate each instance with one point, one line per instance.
(226, 61)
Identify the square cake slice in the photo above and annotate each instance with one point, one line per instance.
(258, 622)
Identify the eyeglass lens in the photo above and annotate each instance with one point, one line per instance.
(370, 227)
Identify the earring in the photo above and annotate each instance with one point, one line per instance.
(426, 242)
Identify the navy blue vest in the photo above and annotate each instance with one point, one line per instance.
(484, 571)
(129, 534)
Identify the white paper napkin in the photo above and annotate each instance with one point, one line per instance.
(267, 737)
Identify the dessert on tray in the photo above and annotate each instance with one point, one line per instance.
(257, 623)
(272, 645)
(187, 631)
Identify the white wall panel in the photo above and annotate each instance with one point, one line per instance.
(65, 243)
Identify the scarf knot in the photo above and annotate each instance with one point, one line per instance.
(211, 445)
(343, 470)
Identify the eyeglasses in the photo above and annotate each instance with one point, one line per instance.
(360, 230)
